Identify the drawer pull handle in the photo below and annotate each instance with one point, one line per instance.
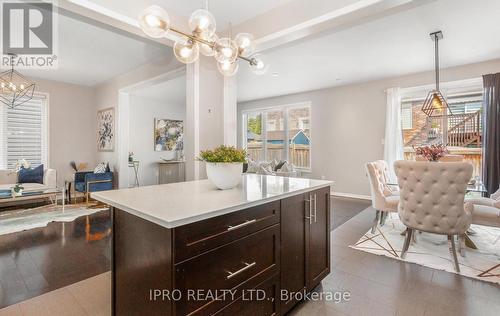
(245, 223)
(246, 267)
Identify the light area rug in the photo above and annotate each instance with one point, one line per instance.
(431, 250)
(19, 220)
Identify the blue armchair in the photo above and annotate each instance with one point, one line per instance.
(88, 181)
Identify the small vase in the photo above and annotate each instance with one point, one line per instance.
(224, 175)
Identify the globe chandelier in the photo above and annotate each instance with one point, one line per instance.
(155, 22)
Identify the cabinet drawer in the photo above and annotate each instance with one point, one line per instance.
(261, 301)
(241, 264)
(195, 238)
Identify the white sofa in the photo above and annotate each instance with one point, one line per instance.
(8, 179)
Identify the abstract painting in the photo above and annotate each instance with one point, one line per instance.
(106, 129)
(168, 135)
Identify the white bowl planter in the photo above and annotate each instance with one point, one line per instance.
(224, 175)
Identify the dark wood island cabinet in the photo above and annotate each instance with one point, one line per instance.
(242, 262)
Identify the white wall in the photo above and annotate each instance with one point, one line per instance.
(348, 122)
(72, 125)
(107, 95)
(143, 111)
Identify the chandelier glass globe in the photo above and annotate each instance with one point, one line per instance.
(154, 21)
(228, 69)
(259, 64)
(186, 51)
(226, 50)
(207, 50)
(202, 23)
(246, 43)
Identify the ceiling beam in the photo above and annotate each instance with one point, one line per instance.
(117, 14)
(302, 19)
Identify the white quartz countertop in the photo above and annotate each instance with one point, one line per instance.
(175, 204)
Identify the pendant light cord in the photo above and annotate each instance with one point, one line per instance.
(436, 52)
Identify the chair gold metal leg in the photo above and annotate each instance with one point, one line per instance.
(453, 252)
(406, 245)
(375, 221)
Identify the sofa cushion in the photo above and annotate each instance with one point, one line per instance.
(31, 175)
(26, 186)
(8, 177)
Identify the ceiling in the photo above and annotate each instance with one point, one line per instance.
(224, 11)
(170, 92)
(394, 45)
(90, 54)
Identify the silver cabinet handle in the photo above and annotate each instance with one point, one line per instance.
(315, 208)
(246, 267)
(310, 217)
(245, 223)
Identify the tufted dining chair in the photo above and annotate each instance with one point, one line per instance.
(432, 200)
(486, 210)
(384, 200)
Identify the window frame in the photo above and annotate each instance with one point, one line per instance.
(285, 108)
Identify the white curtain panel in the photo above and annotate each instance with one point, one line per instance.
(393, 144)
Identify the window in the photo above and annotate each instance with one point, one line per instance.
(287, 134)
(406, 117)
(23, 133)
(460, 129)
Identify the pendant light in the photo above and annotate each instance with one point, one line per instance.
(15, 89)
(203, 39)
(435, 101)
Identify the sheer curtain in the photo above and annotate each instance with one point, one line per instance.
(491, 129)
(393, 144)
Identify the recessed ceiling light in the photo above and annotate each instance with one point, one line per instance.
(338, 79)
(275, 74)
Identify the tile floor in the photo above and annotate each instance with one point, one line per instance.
(378, 286)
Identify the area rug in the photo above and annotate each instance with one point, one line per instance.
(19, 220)
(431, 250)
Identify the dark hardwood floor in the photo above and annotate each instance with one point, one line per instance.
(44, 259)
(343, 209)
(40, 260)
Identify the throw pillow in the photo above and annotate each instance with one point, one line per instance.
(265, 168)
(273, 163)
(287, 167)
(30, 175)
(101, 168)
(279, 165)
(253, 167)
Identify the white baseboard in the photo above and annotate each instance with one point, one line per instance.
(350, 195)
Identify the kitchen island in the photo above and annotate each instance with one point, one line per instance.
(190, 249)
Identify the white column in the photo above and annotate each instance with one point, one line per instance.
(230, 111)
(210, 113)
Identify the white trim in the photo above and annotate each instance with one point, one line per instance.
(350, 195)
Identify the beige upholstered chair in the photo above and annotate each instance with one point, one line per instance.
(432, 200)
(384, 199)
(486, 210)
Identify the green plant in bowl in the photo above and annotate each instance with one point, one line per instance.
(224, 166)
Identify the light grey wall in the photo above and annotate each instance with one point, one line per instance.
(72, 125)
(348, 122)
(143, 111)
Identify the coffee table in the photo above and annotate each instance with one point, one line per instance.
(7, 198)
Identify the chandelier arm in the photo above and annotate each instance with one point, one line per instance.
(211, 44)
